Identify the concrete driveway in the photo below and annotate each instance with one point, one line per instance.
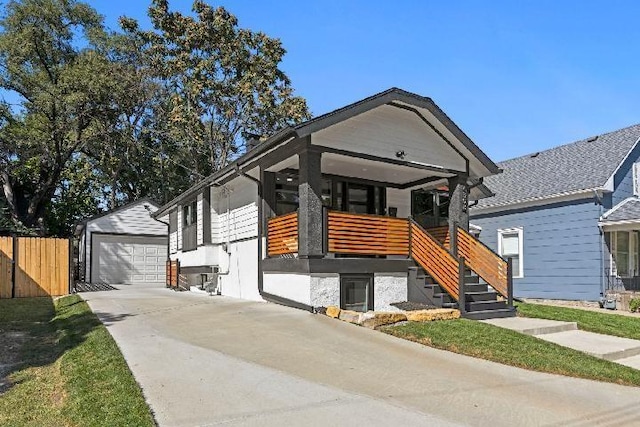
(204, 361)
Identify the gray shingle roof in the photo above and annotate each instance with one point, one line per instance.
(628, 209)
(581, 165)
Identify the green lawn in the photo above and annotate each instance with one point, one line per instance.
(66, 369)
(602, 323)
(508, 347)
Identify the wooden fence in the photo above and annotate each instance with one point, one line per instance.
(34, 267)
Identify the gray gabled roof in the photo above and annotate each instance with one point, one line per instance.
(583, 165)
(323, 121)
(626, 210)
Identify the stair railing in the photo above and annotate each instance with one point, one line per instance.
(438, 262)
(491, 267)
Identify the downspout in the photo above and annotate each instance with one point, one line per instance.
(598, 201)
(265, 295)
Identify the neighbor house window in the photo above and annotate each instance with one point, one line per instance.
(510, 247)
(624, 246)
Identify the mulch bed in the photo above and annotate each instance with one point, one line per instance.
(413, 306)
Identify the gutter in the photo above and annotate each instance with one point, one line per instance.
(265, 295)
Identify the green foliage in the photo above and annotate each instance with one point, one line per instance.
(105, 118)
(634, 305)
(222, 82)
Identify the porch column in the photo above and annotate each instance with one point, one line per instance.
(310, 204)
(458, 207)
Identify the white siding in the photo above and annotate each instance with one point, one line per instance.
(400, 199)
(200, 222)
(371, 132)
(173, 242)
(242, 220)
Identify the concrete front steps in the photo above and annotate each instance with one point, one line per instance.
(615, 349)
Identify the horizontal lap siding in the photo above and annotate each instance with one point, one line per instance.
(200, 224)
(562, 252)
(242, 222)
(623, 179)
(173, 242)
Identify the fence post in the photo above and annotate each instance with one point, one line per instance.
(510, 282)
(462, 300)
(14, 264)
(72, 282)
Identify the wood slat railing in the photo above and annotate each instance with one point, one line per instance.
(441, 234)
(487, 264)
(436, 260)
(367, 234)
(282, 234)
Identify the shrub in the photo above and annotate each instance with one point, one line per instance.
(634, 304)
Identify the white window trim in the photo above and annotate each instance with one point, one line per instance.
(516, 274)
(636, 175)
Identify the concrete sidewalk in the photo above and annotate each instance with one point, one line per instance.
(620, 350)
(204, 361)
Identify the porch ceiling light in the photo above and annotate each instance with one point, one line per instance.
(400, 154)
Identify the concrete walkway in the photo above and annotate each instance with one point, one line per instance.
(205, 361)
(620, 350)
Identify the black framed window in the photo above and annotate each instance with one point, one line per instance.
(356, 292)
(430, 208)
(190, 214)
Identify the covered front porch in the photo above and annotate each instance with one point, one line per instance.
(357, 203)
(621, 230)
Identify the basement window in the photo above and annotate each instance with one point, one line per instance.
(510, 246)
(356, 292)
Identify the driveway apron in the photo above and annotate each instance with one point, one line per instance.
(206, 361)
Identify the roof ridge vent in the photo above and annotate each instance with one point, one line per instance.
(593, 138)
(534, 155)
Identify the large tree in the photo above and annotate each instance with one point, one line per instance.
(223, 82)
(62, 84)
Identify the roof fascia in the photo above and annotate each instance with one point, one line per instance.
(538, 201)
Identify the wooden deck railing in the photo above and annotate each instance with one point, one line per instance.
(366, 234)
(441, 234)
(282, 237)
(436, 260)
(487, 264)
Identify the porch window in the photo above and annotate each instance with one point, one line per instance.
(625, 253)
(510, 245)
(356, 292)
(189, 226)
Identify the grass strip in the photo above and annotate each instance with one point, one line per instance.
(70, 370)
(508, 347)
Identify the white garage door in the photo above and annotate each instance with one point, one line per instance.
(129, 259)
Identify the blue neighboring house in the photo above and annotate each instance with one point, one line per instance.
(568, 217)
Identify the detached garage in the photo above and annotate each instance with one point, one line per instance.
(123, 246)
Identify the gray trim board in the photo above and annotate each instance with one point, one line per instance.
(336, 265)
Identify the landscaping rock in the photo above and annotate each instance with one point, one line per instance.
(349, 316)
(381, 319)
(333, 311)
(434, 314)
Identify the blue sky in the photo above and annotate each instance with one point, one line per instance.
(516, 76)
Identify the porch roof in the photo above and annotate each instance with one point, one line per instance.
(415, 108)
(625, 212)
